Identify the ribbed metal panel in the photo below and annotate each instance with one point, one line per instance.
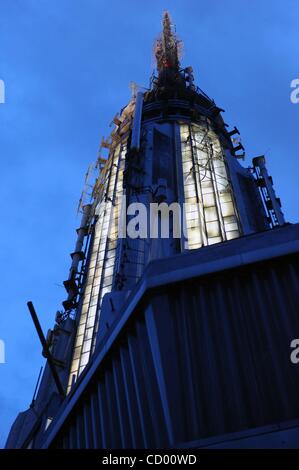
(201, 358)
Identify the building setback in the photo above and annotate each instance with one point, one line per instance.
(182, 339)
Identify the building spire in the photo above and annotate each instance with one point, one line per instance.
(167, 47)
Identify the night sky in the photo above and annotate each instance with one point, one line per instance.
(67, 65)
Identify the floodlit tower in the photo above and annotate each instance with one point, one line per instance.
(170, 144)
(170, 148)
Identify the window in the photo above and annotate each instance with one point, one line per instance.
(207, 185)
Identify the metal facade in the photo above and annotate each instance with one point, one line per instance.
(197, 358)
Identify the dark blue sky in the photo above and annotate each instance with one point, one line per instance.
(67, 65)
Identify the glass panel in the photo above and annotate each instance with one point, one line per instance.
(206, 184)
(99, 280)
(211, 214)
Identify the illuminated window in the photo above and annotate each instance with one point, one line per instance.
(102, 261)
(213, 216)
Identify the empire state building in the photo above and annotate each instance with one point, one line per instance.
(180, 338)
